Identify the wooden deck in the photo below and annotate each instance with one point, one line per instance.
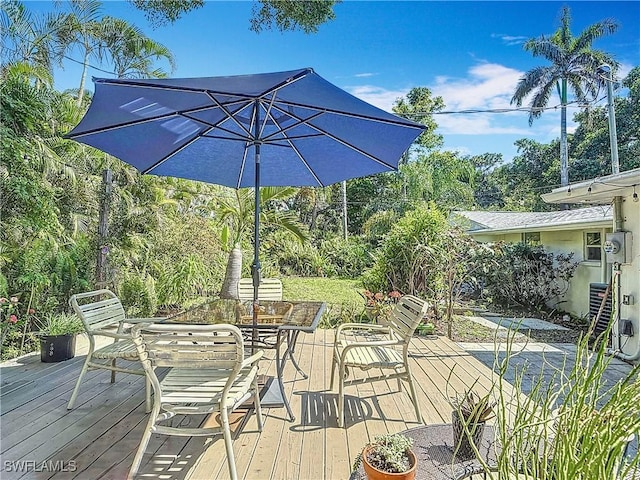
(40, 439)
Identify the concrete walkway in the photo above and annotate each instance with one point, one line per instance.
(495, 321)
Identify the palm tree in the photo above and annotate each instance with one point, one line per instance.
(82, 30)
(29, 39)
(573, 66)
(237, 215)
(132, 53)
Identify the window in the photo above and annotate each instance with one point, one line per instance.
(593, 246)
(532, 238)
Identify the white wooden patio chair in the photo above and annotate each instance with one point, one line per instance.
(366, 346)
(102, 314)
(209, 374)
(269, 289)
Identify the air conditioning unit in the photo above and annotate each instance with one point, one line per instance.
(596, 294)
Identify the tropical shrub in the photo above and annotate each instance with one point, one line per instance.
(526, 276)
(405, 260)
(345, 258)
(138, 295)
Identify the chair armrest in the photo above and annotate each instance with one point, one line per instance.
(362, 326)
(378, 343)
(252, 359)
(106, 333)
(144, 320)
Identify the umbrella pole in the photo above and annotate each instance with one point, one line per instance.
(255, 268)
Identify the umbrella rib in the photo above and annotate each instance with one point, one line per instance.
(295, 149)
(140, 121)
(339, 140)
(406, 123)
(167, 157)
(229, 115)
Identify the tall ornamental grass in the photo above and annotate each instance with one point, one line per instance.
(573, 425)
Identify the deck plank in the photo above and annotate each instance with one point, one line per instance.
(102, 433)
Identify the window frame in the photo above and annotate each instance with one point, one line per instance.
(526, 238)
(590, 247)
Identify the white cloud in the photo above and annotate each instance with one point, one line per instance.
(487, 86)
(510, 39)
(364, 75)
(378, 96)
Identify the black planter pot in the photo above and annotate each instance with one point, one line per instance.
(461, 439)
(57, 348)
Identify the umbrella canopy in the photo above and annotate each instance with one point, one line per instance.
(275, 129)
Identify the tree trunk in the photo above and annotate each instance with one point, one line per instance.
(232, 274)
(103, 231)
(564, 149)
(82, 79)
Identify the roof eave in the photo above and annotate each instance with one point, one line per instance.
(596, 191)
(605, 222)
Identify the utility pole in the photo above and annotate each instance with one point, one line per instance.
(344, 209)
(607, 73)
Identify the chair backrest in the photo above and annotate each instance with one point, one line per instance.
(406, 316)
(189, 346)
(269, 289)
(97, 309)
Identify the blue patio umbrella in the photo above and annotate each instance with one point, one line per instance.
(289, 128)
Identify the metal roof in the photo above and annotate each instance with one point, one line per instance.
(499, 221)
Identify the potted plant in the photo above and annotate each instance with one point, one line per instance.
(58, 336)
(427, 328)
(469, 416)
(388, 457)
(377, 305)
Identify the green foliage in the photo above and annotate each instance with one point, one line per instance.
(526, 276)
(419, 106)
(138, 295)
(60, 323)
(405, 259)
(291, 15)
(573, 67)
(591, 148)
(161, 12)
(183, 279)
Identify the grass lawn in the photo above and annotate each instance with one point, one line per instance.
(334, 291)
(344, 303)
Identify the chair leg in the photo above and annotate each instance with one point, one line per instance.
(85, 367)
(333, 370)
(414, 398)
(113, 372)
(256, 404)
(228, 443)
(137, 460)
(341, 396)
(147, 386)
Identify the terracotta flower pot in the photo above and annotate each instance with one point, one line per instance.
(374, 474)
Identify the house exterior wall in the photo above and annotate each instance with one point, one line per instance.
(576, 298)
(630, 279)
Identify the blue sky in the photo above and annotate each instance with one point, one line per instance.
(470, 53)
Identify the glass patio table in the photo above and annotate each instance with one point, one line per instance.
(278, 323)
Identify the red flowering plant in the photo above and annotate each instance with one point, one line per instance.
(11, 323)
(379, 302)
